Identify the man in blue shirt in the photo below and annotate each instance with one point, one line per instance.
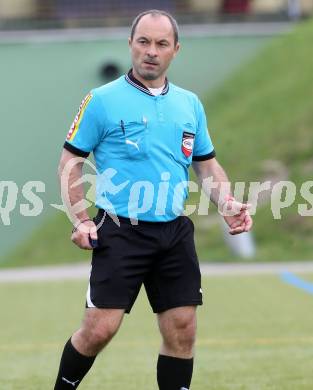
(144, 133)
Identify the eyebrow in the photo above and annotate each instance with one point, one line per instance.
(142, 37)
(162, 40)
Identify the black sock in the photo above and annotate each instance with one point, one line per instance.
(174, 373)
(73, 367)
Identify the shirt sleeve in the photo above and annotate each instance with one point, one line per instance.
(203, 148)
(85, 132)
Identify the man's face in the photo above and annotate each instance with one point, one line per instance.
(153, 47)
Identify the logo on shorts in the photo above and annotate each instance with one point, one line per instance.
(187, 143)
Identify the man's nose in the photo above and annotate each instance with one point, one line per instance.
(152, 51)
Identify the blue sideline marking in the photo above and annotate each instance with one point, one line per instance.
(295, 281)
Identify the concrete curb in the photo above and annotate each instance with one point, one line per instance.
(81, 271)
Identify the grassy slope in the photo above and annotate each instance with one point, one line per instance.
(249, 341)
(264, 112)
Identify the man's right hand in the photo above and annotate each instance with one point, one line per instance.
(82, 234)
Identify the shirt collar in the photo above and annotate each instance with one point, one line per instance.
(131, 79)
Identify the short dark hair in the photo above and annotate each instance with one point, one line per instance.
(155, 12)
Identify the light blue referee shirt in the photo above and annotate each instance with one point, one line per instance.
(143, 146)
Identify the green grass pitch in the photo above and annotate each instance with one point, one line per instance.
(254, 332)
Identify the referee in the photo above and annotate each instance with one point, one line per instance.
(144, 133)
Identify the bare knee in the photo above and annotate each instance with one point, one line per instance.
(185, 333)
(98, 336)
(97, 329)
(179, 332)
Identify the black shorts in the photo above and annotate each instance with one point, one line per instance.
(161, 255)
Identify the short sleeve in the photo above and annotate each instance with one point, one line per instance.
(203, 148)
(86, 130)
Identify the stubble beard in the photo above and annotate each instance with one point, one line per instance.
(149, 76)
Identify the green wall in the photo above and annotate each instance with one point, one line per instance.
(42, 85)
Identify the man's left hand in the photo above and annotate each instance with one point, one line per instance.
(236, 215)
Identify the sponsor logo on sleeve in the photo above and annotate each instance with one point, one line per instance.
(75, 125)
(187, 143)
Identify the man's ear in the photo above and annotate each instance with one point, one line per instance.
(177, 48)
(129, 41)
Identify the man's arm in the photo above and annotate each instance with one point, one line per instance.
(69, 172)
(236, 214)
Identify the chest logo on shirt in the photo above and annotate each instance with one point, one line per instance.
(187, 143)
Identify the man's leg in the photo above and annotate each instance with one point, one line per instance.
(98, 328)
(175, 363)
